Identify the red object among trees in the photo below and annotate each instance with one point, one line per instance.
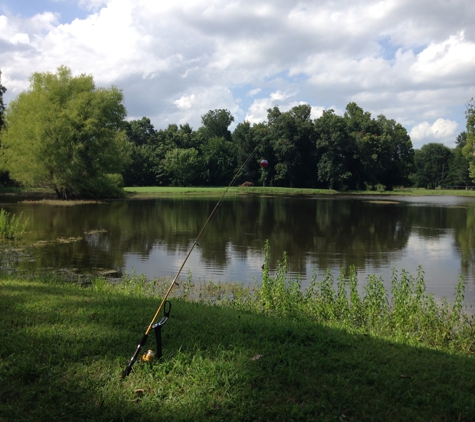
(264, 163)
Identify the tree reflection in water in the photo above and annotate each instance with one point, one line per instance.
(372, 233)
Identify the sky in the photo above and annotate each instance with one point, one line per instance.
(411, 60)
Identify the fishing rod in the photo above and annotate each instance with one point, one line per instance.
(164, 300)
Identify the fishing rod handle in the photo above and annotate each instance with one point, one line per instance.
(134, 357)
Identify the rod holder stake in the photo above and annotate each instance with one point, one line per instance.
(158, 327)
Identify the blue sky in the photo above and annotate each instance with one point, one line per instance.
(411, 60)
(65, 10)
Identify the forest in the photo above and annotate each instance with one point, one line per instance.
(66, 134)
(349, 152)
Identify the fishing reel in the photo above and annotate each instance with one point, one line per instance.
(150, 356)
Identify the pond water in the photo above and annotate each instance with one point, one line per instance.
(152, 237)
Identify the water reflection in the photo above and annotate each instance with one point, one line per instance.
(372, 233)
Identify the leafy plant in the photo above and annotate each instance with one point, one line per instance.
(10, 226)
(407, 312)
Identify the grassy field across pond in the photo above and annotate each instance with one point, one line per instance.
(241, 357)
(151, 191)
(138, 192)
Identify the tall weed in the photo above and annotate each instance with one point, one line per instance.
(279, 294)
(10, 226)
(407, 313)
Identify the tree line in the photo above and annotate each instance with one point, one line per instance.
(66, 134)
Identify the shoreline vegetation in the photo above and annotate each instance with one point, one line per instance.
(141, 192)
(269, 352)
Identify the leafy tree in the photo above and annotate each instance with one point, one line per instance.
(432, 165)
(244, 143)
(461, 140)
(384, 149)
(370, 148)
(459, 174)
(216, 124)
(65, 133)
(469, 148)
(398, 156)
(336, 151)
(144, 157)
(4, 175)
(2, 105)
(292, 137)
(246, 138)
(182, 166)
(219, 161)
(141, 132)
(175, 137)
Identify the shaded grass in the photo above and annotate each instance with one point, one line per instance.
(63, 349)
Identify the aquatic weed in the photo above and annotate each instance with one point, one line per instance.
(10, 226)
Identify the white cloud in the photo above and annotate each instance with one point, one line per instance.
(254, 92)
(20, 38)
(186, 101)
(441, 130)
(412, 61)
(258, 110)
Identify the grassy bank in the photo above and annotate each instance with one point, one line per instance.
(153, 191)
(270, 354)
(211, 191)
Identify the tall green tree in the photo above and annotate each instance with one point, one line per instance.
(219, 160)
(336, 151)
(397, 154)
(383, 147)
(469, 148)
(4, 175)
(432, 165)
(144, 156)
(246, 138)
(183, 166)
(66, 134)
(292, 138)
(216, 124)
(459, 166)
(141, 132)
(370, 146)
(2, 105)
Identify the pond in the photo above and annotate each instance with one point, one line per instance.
(152, 237)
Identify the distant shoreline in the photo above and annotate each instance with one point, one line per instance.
(148, 192)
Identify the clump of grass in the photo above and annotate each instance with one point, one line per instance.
(10, 226)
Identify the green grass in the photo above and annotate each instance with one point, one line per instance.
(155, 191)
(273, 353)
(170, 190)
(152, 191)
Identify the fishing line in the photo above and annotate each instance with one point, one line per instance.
(164, 300)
